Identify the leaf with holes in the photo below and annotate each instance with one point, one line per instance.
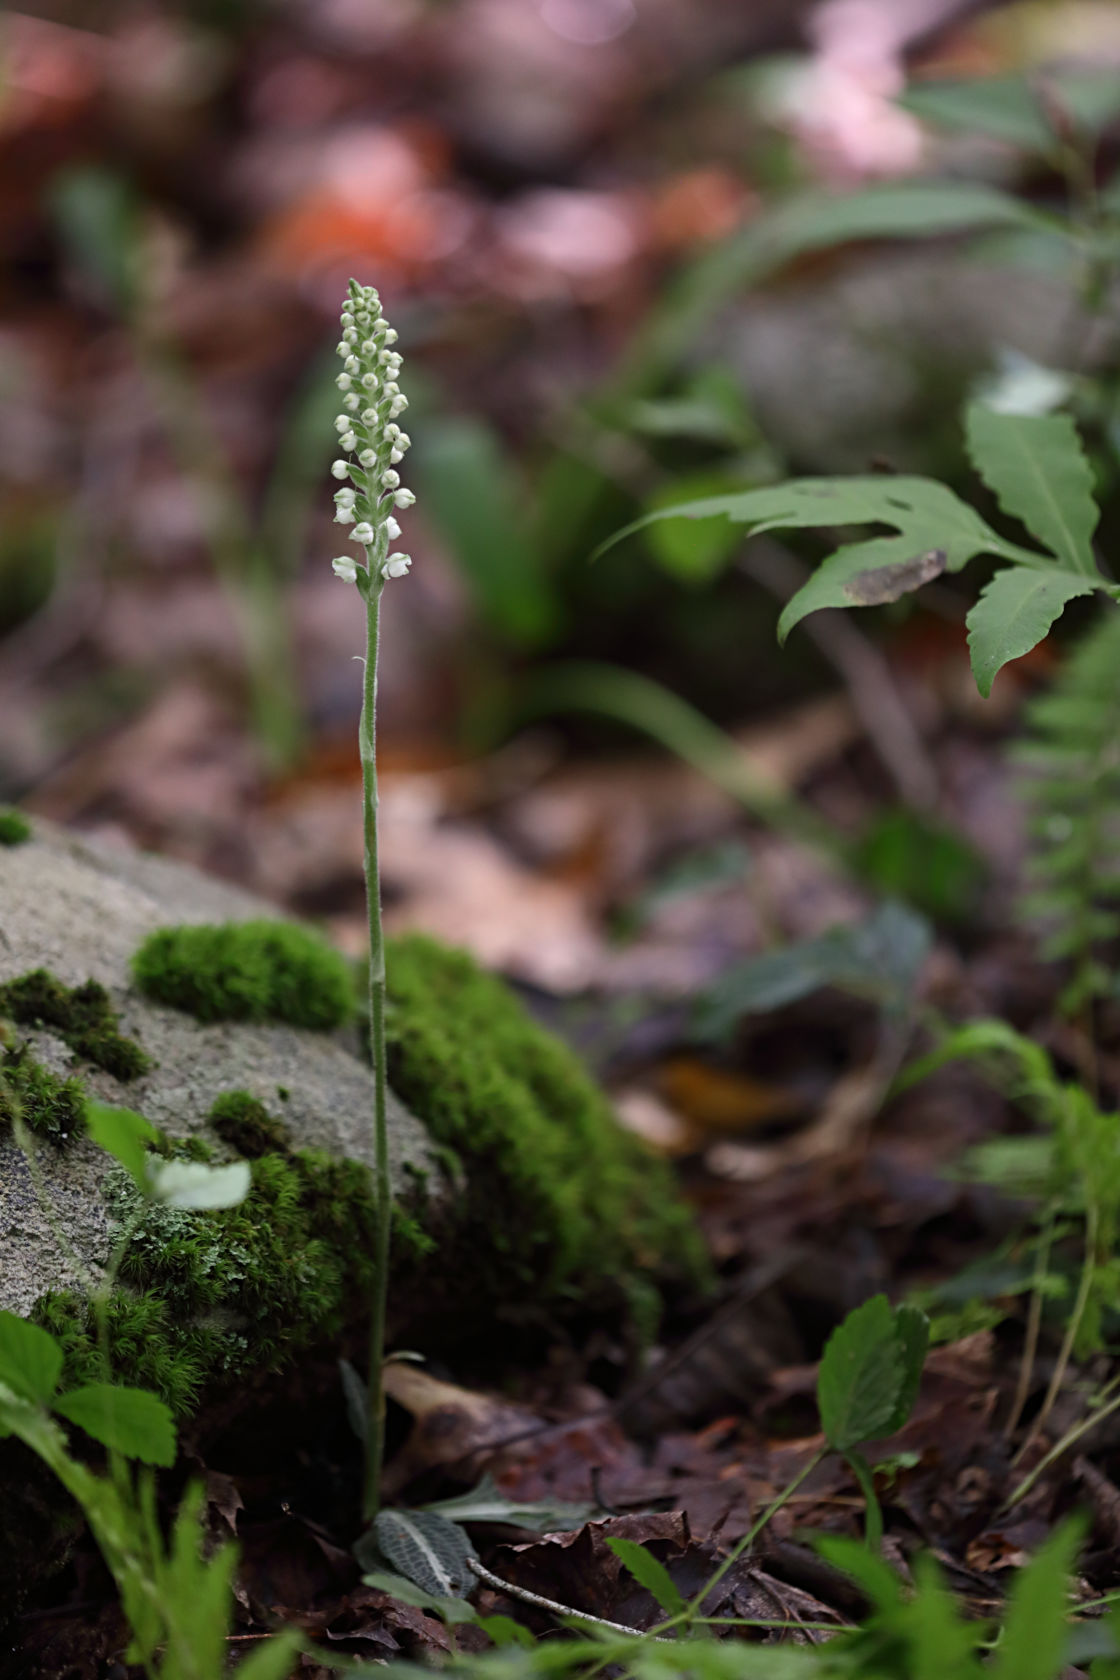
(429, 1549)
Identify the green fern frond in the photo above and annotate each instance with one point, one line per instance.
(1071, 782)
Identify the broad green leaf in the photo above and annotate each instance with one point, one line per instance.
(471, 492)
(428, 1549)
(1033, 1640)
(1014, 613)
(124, 1135)
(400, 1587)
(911, 1327)
(127, 1420)
(862, 1376)
(504, 1631)
(1001, 107)
(879, 957)
(650, 1573)
(1040, 474)
(272, 1660)
(487, 1503)
(936, 532)
(195, 1186)
(1090, 97)
(30, 1359)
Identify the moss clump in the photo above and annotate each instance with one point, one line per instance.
(568, 1205)
(51, 1107)
(82, 1016)
(247, 1126)
(14, 827)
(246, 971)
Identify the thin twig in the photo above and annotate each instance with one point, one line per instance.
(555, 1608)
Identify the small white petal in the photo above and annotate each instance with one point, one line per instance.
(404, 499)
(340, 469)
(368, 458)
(398, 405)
(392, 529)
(362, 533)
(369, 416)
(396, 566)
(369, 381)
(342, 422)
(353, 402)
(390, 479)
(391, 336)
(345, 516)
(395, 455)
(346, 497)
(344, 382)
(349, 440)
(345, 568)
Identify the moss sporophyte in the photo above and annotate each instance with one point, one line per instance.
(373, 446)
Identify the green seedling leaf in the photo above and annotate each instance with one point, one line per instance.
(1033, 1641)
(1015, 611)
(430, 1550)
(487, 1503)
(504, 1631)
(1001, 107)
(192, 1185)
(650, 1573)
(862, 1376)
(125, 1136)
(30, 1359)
(1037, 469)
(880, 958)
(911, 1327)
(126, 1420)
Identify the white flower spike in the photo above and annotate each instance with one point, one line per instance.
(373, 445)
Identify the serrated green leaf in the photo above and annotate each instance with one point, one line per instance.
(126, 1420)
(30, 1359)
(194, 1186)
(123, 1135)
(862, 1376)
(650, 1573)
(1035, 465)
(429, 1549)
(911, 1328)
(1002, 107)
(1015, 611)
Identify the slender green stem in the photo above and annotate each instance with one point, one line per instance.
(873, 1513)
(1092, 1228)
(367, 730)
(1034, 1324)
(1069, 1439)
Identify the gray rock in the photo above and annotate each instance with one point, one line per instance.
(81, 910)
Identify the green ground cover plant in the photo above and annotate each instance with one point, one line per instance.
(14, 827)
(246, 971)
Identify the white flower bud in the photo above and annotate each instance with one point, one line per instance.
(350, 336)
(403, 441)
(391, 433)
(404, 499)
(395, 455)
(344, 515)
(390, 479)
(392, 529)
(345, 568)
(396, 565)
(352, 402)
(342, 422)
(398, 404)
(369, 381)
(340, 469)
(344, 381)
(368, 347)
(342, 348)
(362, 533)
(369, 416)
(391, 388)
(362, 319)
(348, 440)
(391, 335)
(346, 317)
(346, 497)
(351, 364)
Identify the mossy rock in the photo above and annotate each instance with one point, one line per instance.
(518, 1197)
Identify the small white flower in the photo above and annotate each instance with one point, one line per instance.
(398, 405)
(391, 388)
(390, 479)
(403, 441)
(346, 497)
(368, 458)
(342, 348)
(345, 568)
(404, 499)
(342, 422)
(396, 565)
(368, 348)
(369, 416)
(369, 381)
(391, 433)
(349, 440)
(344, 381)
(362, 533)
(350, 336)
(395, 455)
(352, 364)
(345, 516)
(353, 402)
(391, 335)
(392, 529)
(346, 317)
(340, 469)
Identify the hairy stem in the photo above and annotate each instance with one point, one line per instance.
(367, 735)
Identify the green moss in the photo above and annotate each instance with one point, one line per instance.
(247, 1126)
(14, 827)
(563, 1202)
(82, 1016)
(246, 971)
(51, 1107)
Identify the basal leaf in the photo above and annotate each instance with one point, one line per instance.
(428, 1549)
(1014, 612)
(911, 1328)
(487, 1503)
(650, 1573)
(30, 1359)
(1039, 472)
(124, 1135)
(1002, 107)
(862, 1376)
(127, 1420)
